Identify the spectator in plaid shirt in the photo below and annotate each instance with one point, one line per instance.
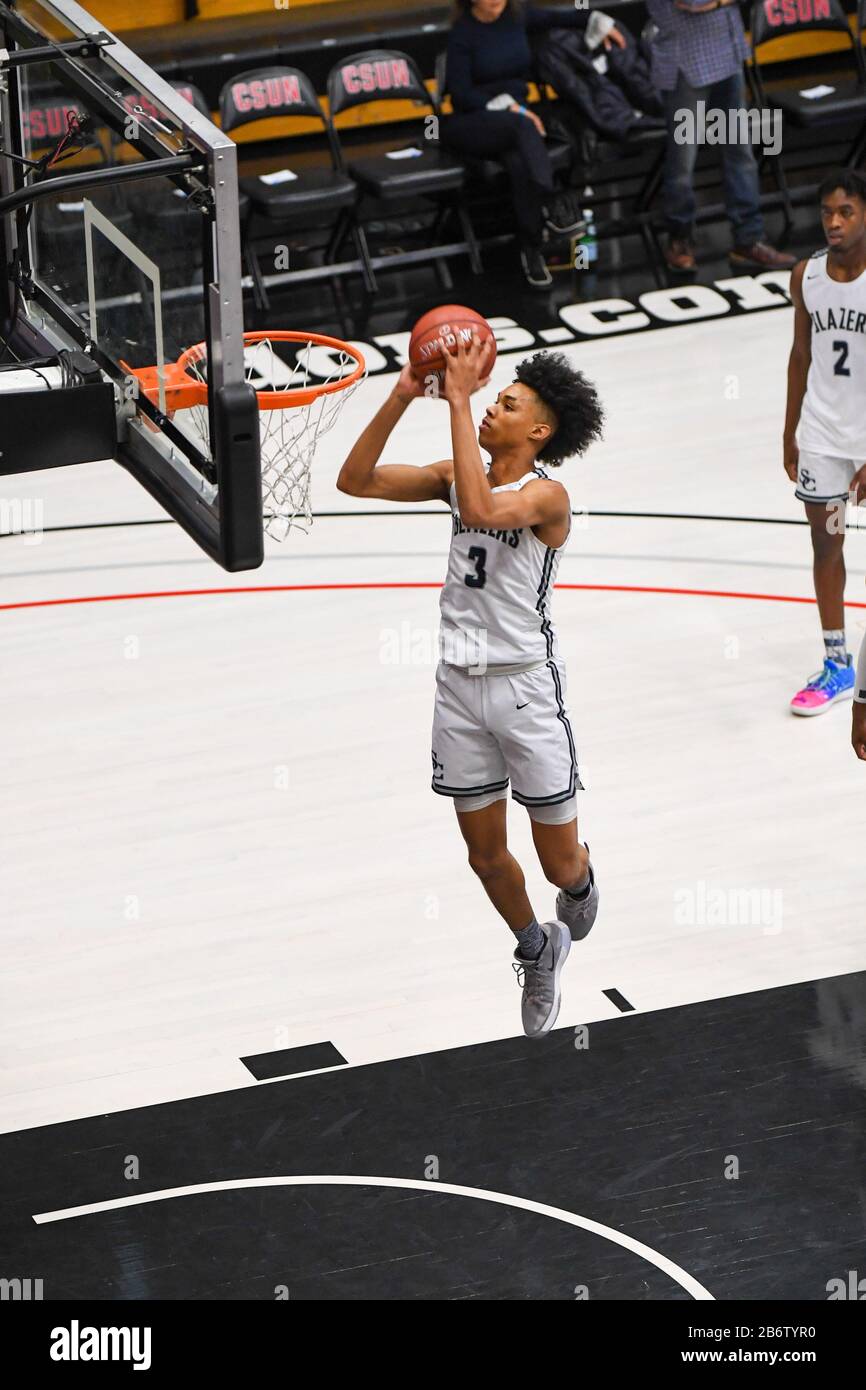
(698, 55)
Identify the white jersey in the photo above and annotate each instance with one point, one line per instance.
(833, 416)
(495, 603)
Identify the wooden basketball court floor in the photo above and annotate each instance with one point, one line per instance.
(241, 941)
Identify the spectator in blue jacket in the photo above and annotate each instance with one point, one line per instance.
(489, 64)
(698, 55)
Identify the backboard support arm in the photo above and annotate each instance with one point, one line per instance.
(186, 163)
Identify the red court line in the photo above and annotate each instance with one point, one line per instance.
(396, 584)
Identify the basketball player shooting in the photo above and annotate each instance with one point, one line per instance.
(825, 424)
(500, 712)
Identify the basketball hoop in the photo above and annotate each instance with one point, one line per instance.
(295, 409)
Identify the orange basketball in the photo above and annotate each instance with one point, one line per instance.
(440, 331)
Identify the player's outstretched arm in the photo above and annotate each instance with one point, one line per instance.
(798, 372)
(363, 476)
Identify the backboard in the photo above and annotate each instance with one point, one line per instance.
(135, 264)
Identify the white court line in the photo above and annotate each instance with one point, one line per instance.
(679, 1276)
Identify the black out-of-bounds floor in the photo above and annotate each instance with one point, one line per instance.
(708, 1151)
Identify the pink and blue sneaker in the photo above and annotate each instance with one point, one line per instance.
(834, 683)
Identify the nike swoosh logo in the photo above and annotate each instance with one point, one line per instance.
(528, 702)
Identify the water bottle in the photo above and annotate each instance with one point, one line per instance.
(589, 240)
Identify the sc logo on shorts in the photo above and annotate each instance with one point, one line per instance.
(807, 480)
(438, 768)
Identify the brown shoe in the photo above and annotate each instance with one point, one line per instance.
(680, 254)
(763, 254)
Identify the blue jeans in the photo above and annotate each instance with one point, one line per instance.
(739, 167)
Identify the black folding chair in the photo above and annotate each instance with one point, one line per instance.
(59, 223)
(394, 171)
(170, 210)
(188, 90)
(842, 105)
(300, 197)
(596, 154)
(194, 95)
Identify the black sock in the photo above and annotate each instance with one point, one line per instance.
(580, 890)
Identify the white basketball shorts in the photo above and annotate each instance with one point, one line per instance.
(489, 730)
(822, 478)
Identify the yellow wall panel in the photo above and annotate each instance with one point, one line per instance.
(804, 45)
(218, 9)
(118, 15)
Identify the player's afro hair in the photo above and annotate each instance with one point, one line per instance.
(573, 400)
(850, 182)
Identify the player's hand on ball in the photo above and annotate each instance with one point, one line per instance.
(408, 387)
(791, 459)
(466, 370)
(858, 731)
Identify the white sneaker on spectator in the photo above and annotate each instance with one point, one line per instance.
(535, 268)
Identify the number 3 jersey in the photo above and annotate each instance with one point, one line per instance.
(833, 415)
(495, 603)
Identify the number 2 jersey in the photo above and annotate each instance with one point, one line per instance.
(495, 603)
(833, 414)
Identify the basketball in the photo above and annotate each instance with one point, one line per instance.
(440, 330)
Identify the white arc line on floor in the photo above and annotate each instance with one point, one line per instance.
(661, 1262)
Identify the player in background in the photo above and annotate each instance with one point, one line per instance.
(825, 420)
(858, 722)
(500, 712)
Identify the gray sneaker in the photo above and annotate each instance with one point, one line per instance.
(579, 914)
(539, 980)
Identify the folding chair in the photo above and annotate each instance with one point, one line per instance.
(394, 171)
(289, 198)
(845, 99)
(159, 205)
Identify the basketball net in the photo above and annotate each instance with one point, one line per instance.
(296, 409)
